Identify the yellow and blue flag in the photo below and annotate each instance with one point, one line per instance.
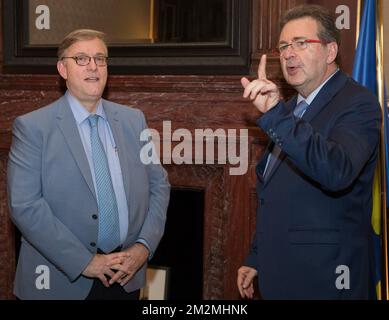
(365, 72)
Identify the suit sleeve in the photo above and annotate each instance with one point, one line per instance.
(159, 194)
(251, 259)
(30, 211)
(336, 160)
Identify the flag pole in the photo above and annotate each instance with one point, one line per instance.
(358, 22)
(381, 97)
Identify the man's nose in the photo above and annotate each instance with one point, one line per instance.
(92, 64)
(288, 52)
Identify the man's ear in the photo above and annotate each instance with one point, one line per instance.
(332, 52)
(62, 69)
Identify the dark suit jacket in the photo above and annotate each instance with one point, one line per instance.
(315, 206)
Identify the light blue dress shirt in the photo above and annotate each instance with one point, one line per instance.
(106, 137)
(108, 141)
(314, 93)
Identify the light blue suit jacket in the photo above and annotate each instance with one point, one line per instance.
(52, 198)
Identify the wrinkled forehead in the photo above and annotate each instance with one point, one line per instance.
(302, 28)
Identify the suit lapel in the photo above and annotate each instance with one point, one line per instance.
(117, 131)
(278, 162)
(330, 89)
(68, 126)
(262, 162)
(325, 95)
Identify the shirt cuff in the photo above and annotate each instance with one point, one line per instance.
(144, 242)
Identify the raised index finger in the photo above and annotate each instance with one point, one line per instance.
(262, 68)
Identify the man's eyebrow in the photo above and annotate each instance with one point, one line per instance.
(294, 39)
(299, 38)
(85, 54)
(80, 54)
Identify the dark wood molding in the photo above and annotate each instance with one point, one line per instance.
(226, 57)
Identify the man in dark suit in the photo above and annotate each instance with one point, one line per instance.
(315, 180)
(90, 212)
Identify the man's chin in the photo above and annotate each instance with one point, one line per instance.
(95, 93)
(295, 83)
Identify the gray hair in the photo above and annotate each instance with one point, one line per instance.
(79, 35)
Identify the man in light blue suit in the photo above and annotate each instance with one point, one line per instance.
(90, 212)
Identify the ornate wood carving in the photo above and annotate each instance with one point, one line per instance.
(266, 29)
(265, 37)
(7, 241)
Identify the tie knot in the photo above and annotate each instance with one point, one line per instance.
(300, 108)
(92, 119)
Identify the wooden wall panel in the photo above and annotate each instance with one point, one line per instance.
(348, 36)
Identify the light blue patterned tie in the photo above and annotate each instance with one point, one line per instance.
(300, 108)
(276, 151)
(109, 232)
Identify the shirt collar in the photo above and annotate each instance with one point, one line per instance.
(79, 112)
(313, 94)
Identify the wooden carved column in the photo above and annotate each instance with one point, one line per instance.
(7, 242)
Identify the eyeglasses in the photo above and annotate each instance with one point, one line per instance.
(298, 45)
(83, 60)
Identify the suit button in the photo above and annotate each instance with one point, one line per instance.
(262, 201)
(94, 216)
(93, 244)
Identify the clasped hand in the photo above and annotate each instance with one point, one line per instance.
(264, 93)
(119, 266)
